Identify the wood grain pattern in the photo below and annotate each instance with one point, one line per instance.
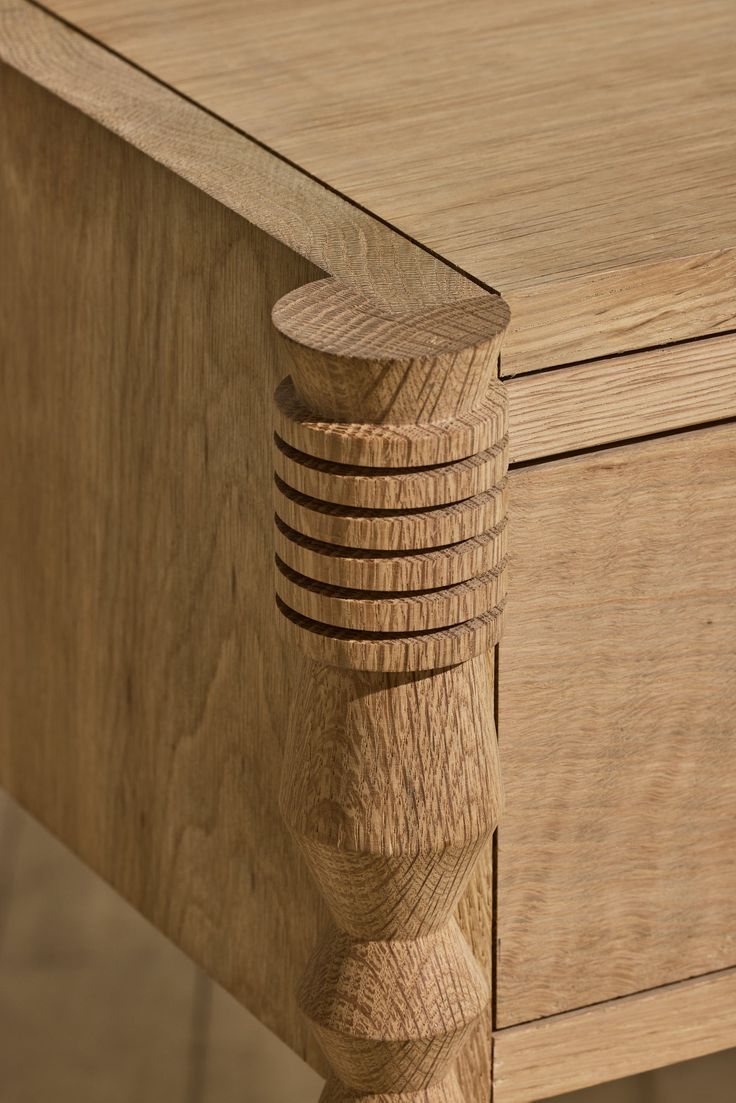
(345, 241)
(129, 476)
(417, 443)
(391, 783)
(382, 488)
(391, 529)
(565, 1052)
(387, 570)
(360, 650)
(332, 233)
(45, 1051)
(136, 560)
(576, 156)
(627, 396)
(617, 698)
(358, 359)
(631, 307)
(136, 563)
(570, 408)
(377, 611)
(475, 916)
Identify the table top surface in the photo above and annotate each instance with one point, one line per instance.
(523, 140)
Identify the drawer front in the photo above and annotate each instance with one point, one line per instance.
(617, 725)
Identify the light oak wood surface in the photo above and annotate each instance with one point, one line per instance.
(273, 195)
(383, 570)
(576, 156)
(563, 410)
(136, 512)
(615, 1039)
(347, 242)
(342, 238)
(393, 992)
(391, 785)
(625, 396)
(144, 681)
(144, 685)
(392, 530)
(617, 693)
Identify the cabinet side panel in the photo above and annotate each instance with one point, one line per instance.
(143, 683)
(617, 705)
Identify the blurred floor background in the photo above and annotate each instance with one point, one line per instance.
(97, 1007)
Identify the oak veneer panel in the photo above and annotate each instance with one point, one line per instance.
(576, 155)
(565, 1052)
(626, 396)
(617, 725)
(143, 682)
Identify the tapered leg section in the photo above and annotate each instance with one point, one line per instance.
(391, 786)
(391, 580)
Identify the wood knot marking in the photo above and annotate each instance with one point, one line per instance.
(390, 490)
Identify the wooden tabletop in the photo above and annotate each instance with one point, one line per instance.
(577, 155)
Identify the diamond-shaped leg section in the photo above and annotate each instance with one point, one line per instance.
(391, 1016)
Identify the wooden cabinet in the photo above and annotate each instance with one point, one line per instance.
(462, 277)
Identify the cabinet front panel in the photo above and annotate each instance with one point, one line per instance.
(617, 725)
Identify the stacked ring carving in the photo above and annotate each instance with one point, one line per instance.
(391, 565)
(413, 445)
(390, 488)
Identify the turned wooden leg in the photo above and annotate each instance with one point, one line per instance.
(391, 462)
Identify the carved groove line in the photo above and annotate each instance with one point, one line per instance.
(391, 576)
